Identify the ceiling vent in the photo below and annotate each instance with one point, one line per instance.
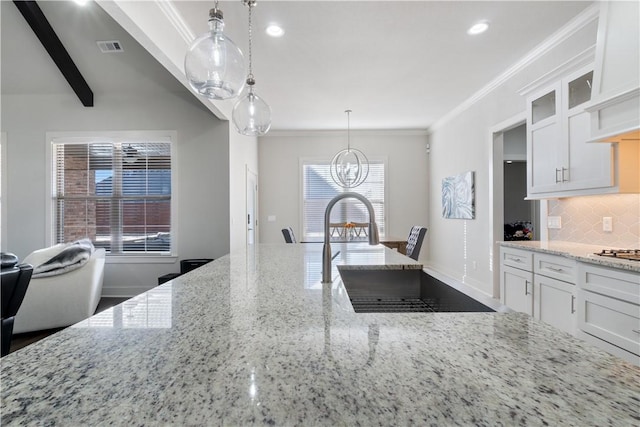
(110, 46)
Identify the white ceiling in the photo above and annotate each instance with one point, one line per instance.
(396, 64)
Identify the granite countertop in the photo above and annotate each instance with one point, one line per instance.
(255, 338)
(578, 251)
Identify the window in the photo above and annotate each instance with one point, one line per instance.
(116, 192)
(319, 188)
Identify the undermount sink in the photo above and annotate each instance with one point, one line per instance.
(402, 291)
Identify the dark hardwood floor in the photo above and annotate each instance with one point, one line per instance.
(19, 341)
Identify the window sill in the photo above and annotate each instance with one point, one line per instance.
(141, 259)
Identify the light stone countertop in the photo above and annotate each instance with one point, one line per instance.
(255, 338)
(578, 251)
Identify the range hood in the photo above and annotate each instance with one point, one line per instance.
(615, 101)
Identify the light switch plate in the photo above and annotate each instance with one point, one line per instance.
(554, 222)
(271, 218)
(607, 223)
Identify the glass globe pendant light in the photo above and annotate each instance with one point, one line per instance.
(251, 114)
(349, 167)
(214, 65)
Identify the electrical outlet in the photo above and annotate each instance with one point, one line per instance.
(607, 223)
(271, 218)
(554, 222)
(474, 265)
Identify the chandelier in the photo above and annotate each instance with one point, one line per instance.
(349, 167)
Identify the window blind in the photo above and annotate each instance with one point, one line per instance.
(116, 193)
(319, 188)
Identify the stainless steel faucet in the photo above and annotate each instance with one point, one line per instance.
(374, 239)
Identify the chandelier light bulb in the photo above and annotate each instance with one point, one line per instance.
(214, 65)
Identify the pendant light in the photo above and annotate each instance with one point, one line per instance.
(214, 65)
(349, 167)
(251, 114)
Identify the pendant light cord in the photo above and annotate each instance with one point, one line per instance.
(348, 129)
(250, 79)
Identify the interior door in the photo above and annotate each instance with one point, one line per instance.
(252, 197)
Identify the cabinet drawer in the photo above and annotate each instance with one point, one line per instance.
(517, 258)
(611, 282)
(612, 320)
(556, 267)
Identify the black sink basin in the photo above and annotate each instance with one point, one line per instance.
(404, 291)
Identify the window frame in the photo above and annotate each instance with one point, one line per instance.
(113, 137)
(302, 161)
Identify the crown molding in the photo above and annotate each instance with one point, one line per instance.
(343, 132)
(587, 16)
(177, 21)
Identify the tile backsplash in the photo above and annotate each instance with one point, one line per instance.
(582, 220)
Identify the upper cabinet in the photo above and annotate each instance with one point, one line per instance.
(615, 109)
(560, 162)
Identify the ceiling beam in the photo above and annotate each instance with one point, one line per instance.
(47, 36)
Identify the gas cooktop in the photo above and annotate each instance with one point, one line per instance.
(628, 254)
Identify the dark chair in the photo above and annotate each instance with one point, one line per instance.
(288, 235)
(414, 242)
(14, 280)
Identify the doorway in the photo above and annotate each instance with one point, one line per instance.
(251, 200)
(521, 219)
(509, 189)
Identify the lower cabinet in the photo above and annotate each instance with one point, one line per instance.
(609, 307)
(554, 302)
(542, 285)
(516, 289)
(598, 304)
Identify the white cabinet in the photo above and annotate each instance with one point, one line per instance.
(559, 160)
(516, 279)
(554, 291)
(554, 303)
(609, 310)
(541, 285)
(517, 288)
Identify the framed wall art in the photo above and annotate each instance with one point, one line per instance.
(458, 196)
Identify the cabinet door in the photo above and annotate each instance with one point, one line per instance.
(554, 303)
(545, 149)
(589, 165)
(545, 159)
(516, 287)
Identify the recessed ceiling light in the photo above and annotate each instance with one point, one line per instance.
(478, 28)
(81, 2)
(275, 30)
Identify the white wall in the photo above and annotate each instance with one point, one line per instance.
(280, 187)
(202, 170)
(464, 249)
(243, 154)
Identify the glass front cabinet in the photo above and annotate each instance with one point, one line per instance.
(559, 160)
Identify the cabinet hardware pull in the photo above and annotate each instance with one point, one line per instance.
(515, 259)
(557, 171)
(563, 179)
(556, 269)
(573, 304)
(526, 287)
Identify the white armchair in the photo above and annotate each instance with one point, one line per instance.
(61, 300)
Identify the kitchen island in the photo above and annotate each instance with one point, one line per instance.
(255, 338)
